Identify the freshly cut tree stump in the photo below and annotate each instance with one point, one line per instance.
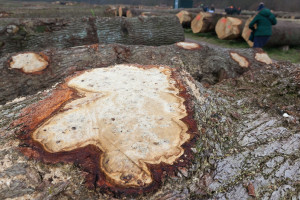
(229, 28)
(283, 33)
(185, 18)
(34, 35)
(205, 22)
(138, 117)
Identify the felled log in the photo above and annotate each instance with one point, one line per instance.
(283, 33)
(32, 34)
(185, 18)
(212, 64)
(229, 28)
(205, 22)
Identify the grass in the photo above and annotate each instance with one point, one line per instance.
(291, 55)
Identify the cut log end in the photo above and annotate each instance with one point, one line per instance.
(197, 23)
(204, 22)
(263, 57)
(241, 60)
(151, 125)
(228, 28)
(183, 16)
(188, 45)
(28, 62)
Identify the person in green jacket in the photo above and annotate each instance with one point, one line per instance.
(264, 21)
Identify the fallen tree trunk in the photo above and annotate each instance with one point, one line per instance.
(185, 18)
(32, 34)
(205, 22)
(229, 28)
(212, 64)
(283, 33)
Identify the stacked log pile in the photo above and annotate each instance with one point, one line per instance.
(36, 34)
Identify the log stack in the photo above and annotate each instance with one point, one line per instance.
(205, 22)
(229, 28)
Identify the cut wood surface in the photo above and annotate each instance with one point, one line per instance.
(283, 33)
(37, 34)
(229, 28)
(212, 64)
(185, 18)
(115, 107)
(205, 22)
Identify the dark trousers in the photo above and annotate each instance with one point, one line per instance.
(260, 41)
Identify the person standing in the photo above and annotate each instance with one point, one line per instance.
(264, 21)
(261, 6)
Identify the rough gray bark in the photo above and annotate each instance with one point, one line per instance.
(38, 34)
(206, 64)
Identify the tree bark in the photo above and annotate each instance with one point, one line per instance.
(205, 64)
(229, 28)
(205, 22)
(38, 34)
(283, 33)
